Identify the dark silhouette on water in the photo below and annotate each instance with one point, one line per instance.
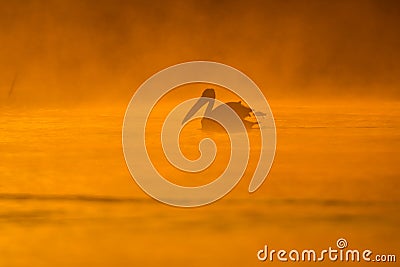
(208, 97)
(10, 92)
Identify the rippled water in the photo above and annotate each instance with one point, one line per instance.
(67, 198)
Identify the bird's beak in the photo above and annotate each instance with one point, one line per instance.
(201, 102)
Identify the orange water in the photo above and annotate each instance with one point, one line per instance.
(67, 198)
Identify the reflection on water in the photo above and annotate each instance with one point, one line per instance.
(67, 199)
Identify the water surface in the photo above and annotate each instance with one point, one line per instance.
(67, 198)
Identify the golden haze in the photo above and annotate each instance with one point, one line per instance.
(329, 69)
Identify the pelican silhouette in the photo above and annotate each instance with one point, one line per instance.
(208, 97)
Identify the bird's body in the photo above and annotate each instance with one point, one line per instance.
(208, 124)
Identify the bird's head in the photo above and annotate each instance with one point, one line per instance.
(207, 97)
